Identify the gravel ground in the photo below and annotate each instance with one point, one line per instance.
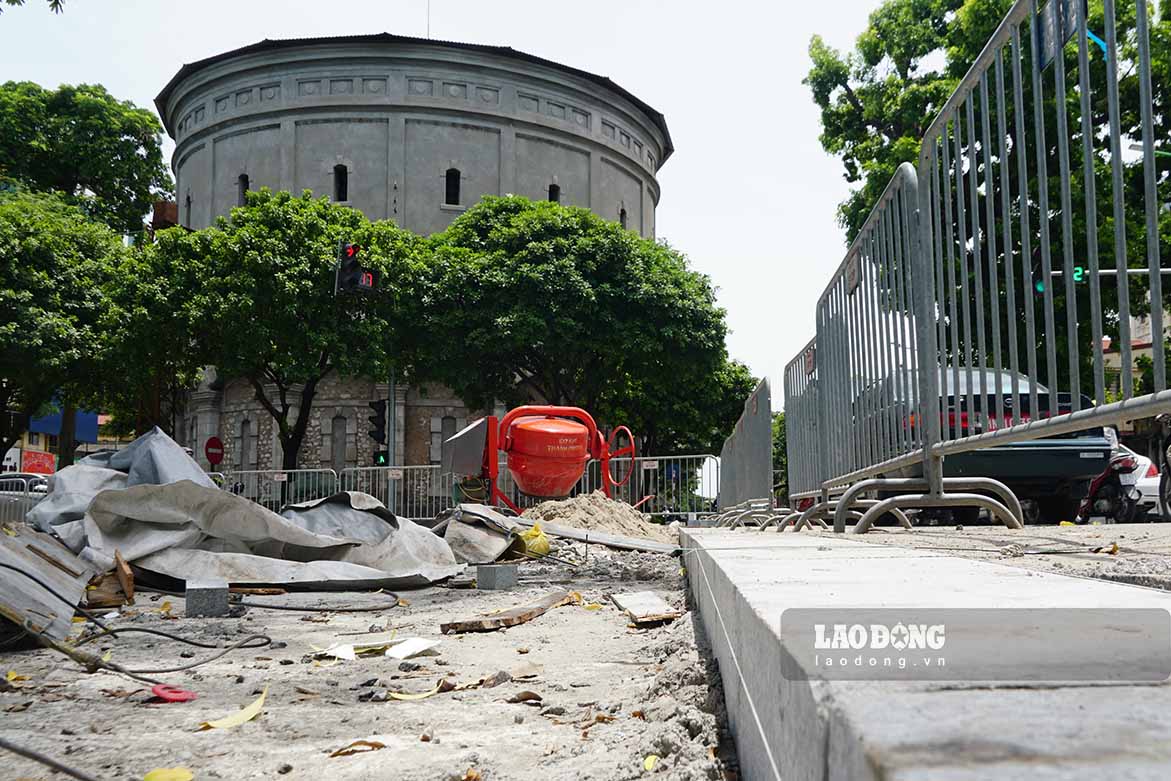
(611, 694)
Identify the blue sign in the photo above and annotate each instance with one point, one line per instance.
(86, 425)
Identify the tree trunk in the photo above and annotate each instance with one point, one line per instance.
(67, 437)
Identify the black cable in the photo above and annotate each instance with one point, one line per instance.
(242, 644)
(168, 635)
(37, 756)
(52, 591)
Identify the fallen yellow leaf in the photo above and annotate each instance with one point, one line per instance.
(649, 763)
(169, 774)
(239, 717)
(358, 747)
(421, 696)
(592, 606)
(108, 655)
(165, 608)
(14, 676)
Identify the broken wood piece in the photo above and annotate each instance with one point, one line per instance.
(646, 607)
(512, 617)
(257, 592)
(105, 592)
(125, 576)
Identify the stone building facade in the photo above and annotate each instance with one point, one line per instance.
(408, 129)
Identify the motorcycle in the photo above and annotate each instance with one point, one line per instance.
(1114, 492)
(1164, 421)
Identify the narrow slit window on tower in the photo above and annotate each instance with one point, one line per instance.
(242, 189)
(341, 183)
(451, 195)
(555, 193)
(622, 217)
(187, 210)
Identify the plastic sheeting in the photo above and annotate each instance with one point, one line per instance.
(152, 503)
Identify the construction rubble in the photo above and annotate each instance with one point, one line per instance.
(154, 626)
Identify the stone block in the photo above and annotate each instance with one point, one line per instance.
(496, 577)
(207, 598)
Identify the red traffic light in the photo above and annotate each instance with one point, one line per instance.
(352, 250)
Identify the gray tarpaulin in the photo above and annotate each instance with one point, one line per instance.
(188, 531)
(142, 503)
(479, 534)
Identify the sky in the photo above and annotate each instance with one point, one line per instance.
(749, 195)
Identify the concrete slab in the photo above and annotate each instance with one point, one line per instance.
(741, 581)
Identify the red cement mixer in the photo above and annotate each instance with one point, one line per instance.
(547, 449)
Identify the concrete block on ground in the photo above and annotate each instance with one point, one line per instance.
(207, 598)
(910, 730)
(496, 577)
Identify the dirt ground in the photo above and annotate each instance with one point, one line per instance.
(611, 695)
(1142, 556)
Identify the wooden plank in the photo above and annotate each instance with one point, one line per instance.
(22, 600)
(602, 538)
(124, 575)
(646, 607)
(517, 615)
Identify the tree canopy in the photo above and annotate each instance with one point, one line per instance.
(877, 101)
(104, 153)
(537, 300)
(260, 303)
(54, 306)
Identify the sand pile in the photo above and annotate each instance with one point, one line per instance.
(594, 512)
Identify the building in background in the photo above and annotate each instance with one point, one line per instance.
(407, 129)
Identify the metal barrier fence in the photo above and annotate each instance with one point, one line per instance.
(747, 456)
(274, 488)
(971, 309)
(675, 485)
(18, 495)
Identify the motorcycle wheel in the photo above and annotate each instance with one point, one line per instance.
(1165, 493)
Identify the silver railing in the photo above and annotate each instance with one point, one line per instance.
(417, 492)
(747, 456)
(18, 495)
(971, 309)
(274, 488)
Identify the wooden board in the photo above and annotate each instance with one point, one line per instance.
(601, 538)
(517, 615)
(22, 600)
(646, 607)
(125, 576)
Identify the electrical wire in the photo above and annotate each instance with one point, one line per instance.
(47, 761)
(299, 609)
(167, 635)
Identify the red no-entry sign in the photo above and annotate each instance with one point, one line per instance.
(214, 450)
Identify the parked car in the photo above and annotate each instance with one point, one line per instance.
(1049, 475)
(1148, 488)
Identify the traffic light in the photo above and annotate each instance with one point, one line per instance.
(352, 276)
(378, 421)
(381, 457)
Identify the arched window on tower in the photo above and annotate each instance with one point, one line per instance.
(341, 183)
(622, 217)
(555, 193)
(242, 189)
(451, 189)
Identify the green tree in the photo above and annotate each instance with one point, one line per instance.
(533, 300)
(262, 307)
(152, 354)
(780, 459)
(877, 101)
(104, 153)
(55, 266)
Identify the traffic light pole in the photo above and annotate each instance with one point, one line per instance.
(391, 437)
